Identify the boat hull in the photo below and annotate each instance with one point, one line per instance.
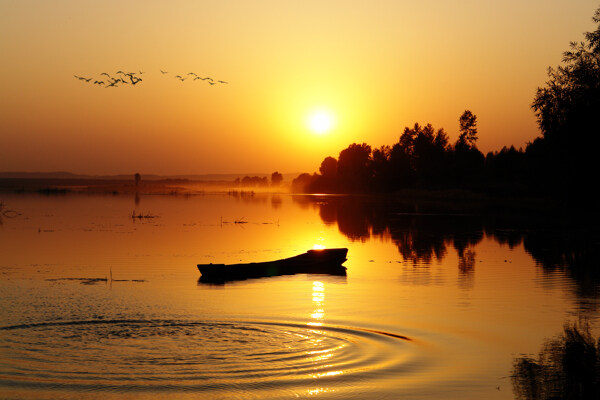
(325, 261)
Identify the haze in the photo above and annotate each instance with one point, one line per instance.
(375, 67)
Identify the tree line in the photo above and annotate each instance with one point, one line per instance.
(561, 161)
(259, 181)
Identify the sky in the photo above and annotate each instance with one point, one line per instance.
(368, 68)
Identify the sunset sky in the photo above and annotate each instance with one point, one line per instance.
(305, 79)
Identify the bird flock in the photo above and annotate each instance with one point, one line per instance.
(120, 78)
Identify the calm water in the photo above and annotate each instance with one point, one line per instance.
(434, 305)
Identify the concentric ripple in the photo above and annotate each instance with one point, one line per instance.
(158, 355)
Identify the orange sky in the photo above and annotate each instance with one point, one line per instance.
(376, 66)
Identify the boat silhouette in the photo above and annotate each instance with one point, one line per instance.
(317, 261)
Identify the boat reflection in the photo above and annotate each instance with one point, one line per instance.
(205, 280)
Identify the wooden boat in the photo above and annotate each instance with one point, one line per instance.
(322, 261)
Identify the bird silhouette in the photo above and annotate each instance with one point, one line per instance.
(134, 79)
(81, 78)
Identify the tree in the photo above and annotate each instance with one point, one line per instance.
(276, 178)
(329, 167)
(468, 160)
(301, 184)
(353, 167)
(420, 156)
(570, 97)
(380, 168)
(468, 130)
(566, 108)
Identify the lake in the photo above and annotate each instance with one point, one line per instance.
(435, 304)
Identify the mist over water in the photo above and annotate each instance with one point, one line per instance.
(435, 304)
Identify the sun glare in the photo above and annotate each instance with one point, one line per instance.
(320, 122)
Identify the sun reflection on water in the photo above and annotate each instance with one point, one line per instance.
(318, 297)
(317, 318)
(318, 391)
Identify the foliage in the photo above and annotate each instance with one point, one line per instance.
(422, 157)
(562, 163)
(566, 108)
(276, 178)
(468, 130)
(252, 181)
(353, 167)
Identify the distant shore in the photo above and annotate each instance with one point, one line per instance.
(454, 200)
(109, 186)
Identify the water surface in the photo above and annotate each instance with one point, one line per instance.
(96, 304)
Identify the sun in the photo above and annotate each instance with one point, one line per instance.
(320, 122)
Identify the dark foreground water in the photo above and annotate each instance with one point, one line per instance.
(435, 305)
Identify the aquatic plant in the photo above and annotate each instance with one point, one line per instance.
(134, 215)
(567, 368)
(7, 212)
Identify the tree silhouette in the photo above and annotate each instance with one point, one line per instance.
(566, 108)
(469, 161)
(276, 178)
(353, 167)
(301, 184)
(328, 167)
(468, 130)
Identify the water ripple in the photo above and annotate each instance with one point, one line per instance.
(136, 355)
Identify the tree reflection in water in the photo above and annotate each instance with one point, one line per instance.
(566, 368)
(423, 233)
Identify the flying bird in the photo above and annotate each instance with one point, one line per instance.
(98, 82)
(164, 72)
(134, 79)
(81, 78)
(223, 82)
